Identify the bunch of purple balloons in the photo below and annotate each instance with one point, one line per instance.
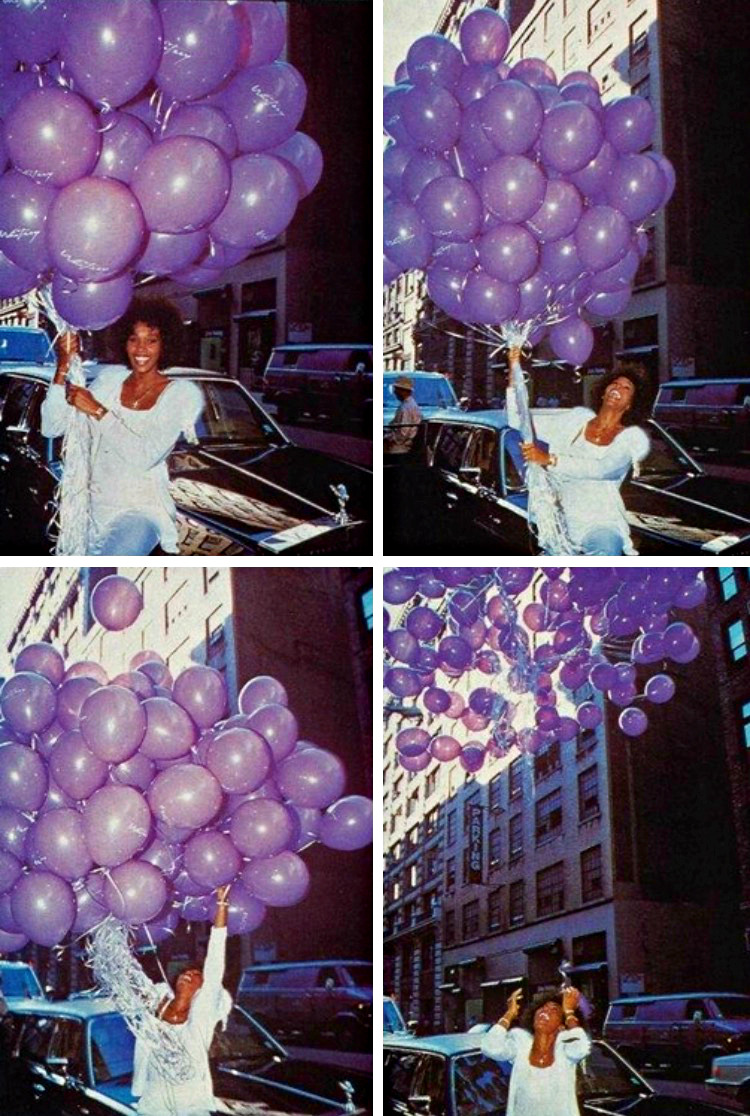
(151, 136)
(519, 196)
(522, 642)
(136, 796)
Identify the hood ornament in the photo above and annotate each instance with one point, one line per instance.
(342, 517)
(348, 1091)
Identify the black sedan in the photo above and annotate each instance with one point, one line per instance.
(464, 486)
(75, 1058)
(448, 1075)
(243, 489)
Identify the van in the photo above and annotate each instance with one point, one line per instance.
(681, 1030)
(713, 414)
(334, 381)
(312, 1000)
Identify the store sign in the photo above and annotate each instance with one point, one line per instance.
(476, 823)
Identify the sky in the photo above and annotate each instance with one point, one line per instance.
(15, 583)
(403, 22)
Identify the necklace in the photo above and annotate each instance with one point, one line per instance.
(151, 390)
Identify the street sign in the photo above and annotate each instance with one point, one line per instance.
(476, 824)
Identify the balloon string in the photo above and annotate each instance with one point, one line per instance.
(156, 955)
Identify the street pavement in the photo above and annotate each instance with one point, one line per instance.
(339, 443)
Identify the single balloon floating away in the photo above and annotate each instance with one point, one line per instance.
(520, 196)
(523, 644)
(135, 797)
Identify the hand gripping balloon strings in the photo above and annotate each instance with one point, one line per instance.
(72, 517)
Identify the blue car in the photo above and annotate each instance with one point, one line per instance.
(432, 391)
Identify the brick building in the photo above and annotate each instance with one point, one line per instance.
(592, 852)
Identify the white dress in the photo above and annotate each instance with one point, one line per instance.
(210, 1005)
(588, 477)
(130, 448)
(534, 1091)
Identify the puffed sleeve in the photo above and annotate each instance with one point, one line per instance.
(56, 412)
(504, 1045)
(575, 1044)
(625, 452)
(176, 414)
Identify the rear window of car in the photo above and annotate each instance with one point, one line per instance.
(36, 1035)
(21, 346)
(707, 395)
(619, 1012)
(733, 1007)
(294, 978)
(332, 360)
(450, 448)
(112, 1046)
(662, 1011)
(256, 979)
(360, 976)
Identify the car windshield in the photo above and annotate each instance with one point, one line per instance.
(604, 1074)
(19, 982)
(733, 1007)
(231, 417)
(393, 1020)
(18, 345)
(666, 461)
(480, 1085)
(428, 393)
(243, 1043)
(112, 1046)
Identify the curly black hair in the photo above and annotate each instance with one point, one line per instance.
(526, 1018)
(162, 315)
(643, 396)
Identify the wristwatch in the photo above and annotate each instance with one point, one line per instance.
(552, 460)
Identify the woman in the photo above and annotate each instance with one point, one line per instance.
(589, 455)
(544, 1051)
(198, 1003)
(136, 414)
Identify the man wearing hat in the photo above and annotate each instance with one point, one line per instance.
(403, 427)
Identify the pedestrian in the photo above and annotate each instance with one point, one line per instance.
(135, 415)
(589, 454)
(544, 1050)
(404, 426)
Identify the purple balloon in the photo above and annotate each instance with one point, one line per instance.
(534, 71)
(450, 207)
(620, 275)
(513, 188)
(10, 870)
(509, 252)
(113, 723)
(117, 823)
(415, 763)
(205, 121)
(434, 60)
(265, 105)
(432, 117)
(659, 689)
(489, 300)
(185, 795)
(485, 36)
(137, 771)
(135, 892)
(278, 881)
(445, 287)
(636, 186)
(475, 147)
(13, 88)
(70, 698)
(92, 305)
(171, 252)
(182, 184)
(196, 908)
(51, 136)
(305, 157)
(28, 702)
(592, 179)
(559, 213)
(602, 237)
(265, 31)
(570, 138)
(170, 733)
(202, 692)
(14, 280)
(347, 824)
(512, 116)
(393, 125)
(125, 140)
(588, 715)
(633, 721)
(398, 587)
(572, 340)
(14, 826)
(200, 47)
(44, 907)
(10, 942)
(311, 777)
(445, 748)
(31, 31)
(406, 239)
(46, 740)
(24, 204)
(670, 180)
(475, 82)
(245, 912)
(629, 123)
(59, 839)
(262, 827)
(608, 304)
(136, 681)
(583, 92)
(211, 859)
(259, 691)
(143, 108)
(240, 759)
(576, 76)
(87, 669)
(422, 168)
(111, 48)
(90, 906)
(261, 202)
(412, 741)
(166, 857)
(535, 294)
(94, 229)
(278, 727)
(159, 929)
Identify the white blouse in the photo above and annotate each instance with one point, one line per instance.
(587, 476)
(130, 448)
(534, 1091)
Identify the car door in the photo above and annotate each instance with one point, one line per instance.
(480, 473)
(448, 458)
(66, 1059)
(18, 463)
(399, 1073)
(45, 1086)
(429, 1082)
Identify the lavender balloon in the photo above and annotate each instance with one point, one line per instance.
(94, 229)
(201, 46)
(211, 859)
(202, 692)
(117, 823)
(262, 201)
(207, 122)
(264, 32)
(11, 943)
(169, 730)
(265, 105)
(14, 280)
(485, 36)
(450, 207)
(278, 727)
(31, 31)
(262, 827)
(347, 824)
(51, 136)
(87, 669)
(434, 60)
(90, 904)
(135, 892)
(137, 771)
(125, 140)
(113, 723)
(240, 759)
(185, 795)
(116, 602)
(245, 912)
(59, 837)
(311, 777)
(10, 870)
(182, 184)
(44, 907)
(24, 205)
(28, 702)
(71, 696)
(278, 881)
(111, 48)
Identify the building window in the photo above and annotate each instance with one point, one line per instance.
(745, 722)
(642, 88)
(548, 21)
(450, 927)
(176, 605)
(450, 833)
(588, 794)
(494, 909)
(737, 640)
(496, 794)
(516, 903)
(570, 48)
(431, 864)
(412, 839)
(214, 632)
(466, 864)
(599, 17)
(396, 817)
(727, 582)
(585, 741)
(408, 914)
(515, 778)
(430, 784)
(430, 823)
(550, 890)
(471, 919)
(413, 876)
(515, 837)
(592, 885)
(396, 889)
(639, 39)
(365, 603)
(412, 803)
(646, 272)
(547, 762)
(549, 816)
(450, 873)
(495, 847)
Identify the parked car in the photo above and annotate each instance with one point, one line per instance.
(468, 483)
(711, 414)
(433, 392)
(315, 380)
(75, 1058)
(24, 345)
(18, 981)
(730, 1079)
(312, 999)
(681, 1030)
(393, 1021)
(448, 1075)
(244, 489)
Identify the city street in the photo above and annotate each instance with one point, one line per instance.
(354, 448)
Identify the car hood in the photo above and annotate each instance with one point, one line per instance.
(263, 494)
(705, 514)
(656, 1104)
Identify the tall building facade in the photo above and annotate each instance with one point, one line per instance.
(603, 853)
(691, 299)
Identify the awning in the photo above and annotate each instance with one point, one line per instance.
(637, 350)
(490, 983)
(590, 967)
(555, 943)
(252, 314)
